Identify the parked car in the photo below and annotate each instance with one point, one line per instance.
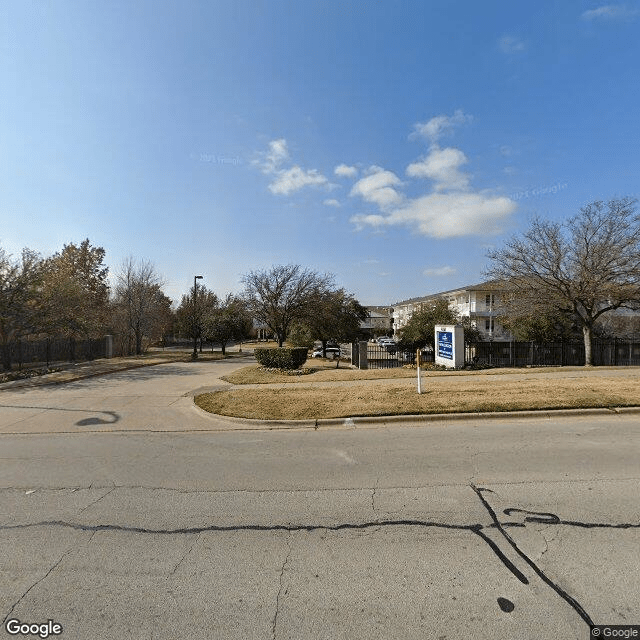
(332, 352)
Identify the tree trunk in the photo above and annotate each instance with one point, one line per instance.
(223, 344)
(586, 332)
(6, 356)
(138, 342)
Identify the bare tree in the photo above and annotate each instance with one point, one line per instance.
(195, 307)
(583, 268)
(283, 295)
(140, 299)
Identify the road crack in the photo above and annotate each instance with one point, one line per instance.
(43, 578)
(184, 556)
(282, 570)
(96, 500)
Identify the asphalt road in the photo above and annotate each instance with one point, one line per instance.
(123, 516)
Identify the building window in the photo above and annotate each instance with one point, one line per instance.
(488, 325)
(490, 299)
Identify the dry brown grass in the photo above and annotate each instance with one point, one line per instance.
(325, 371)
(441, 394)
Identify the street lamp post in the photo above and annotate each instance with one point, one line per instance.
(194, 355)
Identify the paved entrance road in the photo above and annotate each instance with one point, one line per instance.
(507, 529)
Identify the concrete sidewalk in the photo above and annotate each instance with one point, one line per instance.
(72, 371)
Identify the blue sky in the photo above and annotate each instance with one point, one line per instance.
(389, 143)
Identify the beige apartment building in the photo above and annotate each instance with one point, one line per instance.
(480, 302)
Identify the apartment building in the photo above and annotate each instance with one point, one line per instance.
(480, 302)
(379, 322)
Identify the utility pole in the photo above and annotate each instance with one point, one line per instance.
(194, 355)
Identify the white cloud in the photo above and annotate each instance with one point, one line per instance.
(287, 180)
(294, 179)
(435, 128)
(345, 171)
(442, 166)
(332, 202)
(439, 271)
(277, 154)
(378, 187)
(510, 44)
(446, 215)
(451, 208)
(610, 12)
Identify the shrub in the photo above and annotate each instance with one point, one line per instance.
(281, 357)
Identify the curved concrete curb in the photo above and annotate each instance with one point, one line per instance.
(411, 420)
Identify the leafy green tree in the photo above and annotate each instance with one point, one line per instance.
(74, 299)
(300, 336)
(227, 321)
(20, 286)
(194, 309)
(419, 332)
(549, 326)
(337, 317)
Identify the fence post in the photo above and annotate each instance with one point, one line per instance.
(363, 362)
(108, 350)
(531, 354)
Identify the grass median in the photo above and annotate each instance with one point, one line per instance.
(443, 392)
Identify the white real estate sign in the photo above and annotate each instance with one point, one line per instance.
(449, 341)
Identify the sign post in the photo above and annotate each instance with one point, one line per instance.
(449, 341)
(418, 365)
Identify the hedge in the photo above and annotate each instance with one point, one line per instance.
(281, 357)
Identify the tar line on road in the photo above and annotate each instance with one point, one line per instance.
(481, 530)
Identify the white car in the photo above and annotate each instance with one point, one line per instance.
(332, 352)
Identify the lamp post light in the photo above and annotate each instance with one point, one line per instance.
(194, 355)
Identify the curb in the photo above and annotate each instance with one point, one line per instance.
(413, 419)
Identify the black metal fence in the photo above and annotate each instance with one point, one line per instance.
(387, 356)
(530, 354)
(30, 353)
(509, 354)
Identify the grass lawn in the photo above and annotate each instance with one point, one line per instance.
(393, 392)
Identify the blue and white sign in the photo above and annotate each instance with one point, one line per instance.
(445, 344)
(449, 341)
